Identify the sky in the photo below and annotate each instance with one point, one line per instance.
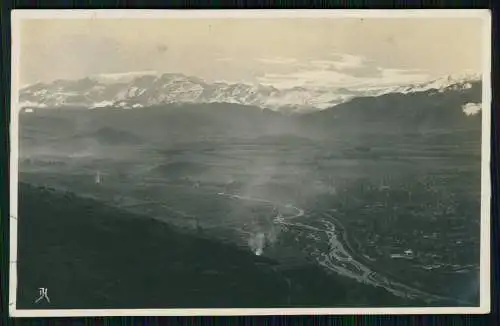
(284, 52)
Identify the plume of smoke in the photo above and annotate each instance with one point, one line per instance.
(280, 172)
(257, 243)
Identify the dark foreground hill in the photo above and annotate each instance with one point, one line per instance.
(92, 256)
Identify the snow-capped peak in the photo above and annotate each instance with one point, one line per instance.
(146, 88)
(450, 80)
(439, 84)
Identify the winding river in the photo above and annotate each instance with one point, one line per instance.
(338, 258)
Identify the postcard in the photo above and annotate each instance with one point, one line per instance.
(250, 162)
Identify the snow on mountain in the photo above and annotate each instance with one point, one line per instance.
(450, 82)
(142, 89)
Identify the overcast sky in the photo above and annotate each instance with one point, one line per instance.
(273, 51)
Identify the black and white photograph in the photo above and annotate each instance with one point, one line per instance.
(249, 162)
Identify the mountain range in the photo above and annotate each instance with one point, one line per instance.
(146, 89)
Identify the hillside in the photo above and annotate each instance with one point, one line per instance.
(93, 256)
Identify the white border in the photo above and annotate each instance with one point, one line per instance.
(485, 15)
(251, 14)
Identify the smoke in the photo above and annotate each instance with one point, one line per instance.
(264, 234)
(257, 243)
(267, 181)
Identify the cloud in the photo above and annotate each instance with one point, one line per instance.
(398, 76)
(346, 61)
(404, 71)
(277, 60)
(318, 77)
(337, 70)
(365, 71)
(341, 62)
(304, 78)
(338, 62)
(471, 108)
